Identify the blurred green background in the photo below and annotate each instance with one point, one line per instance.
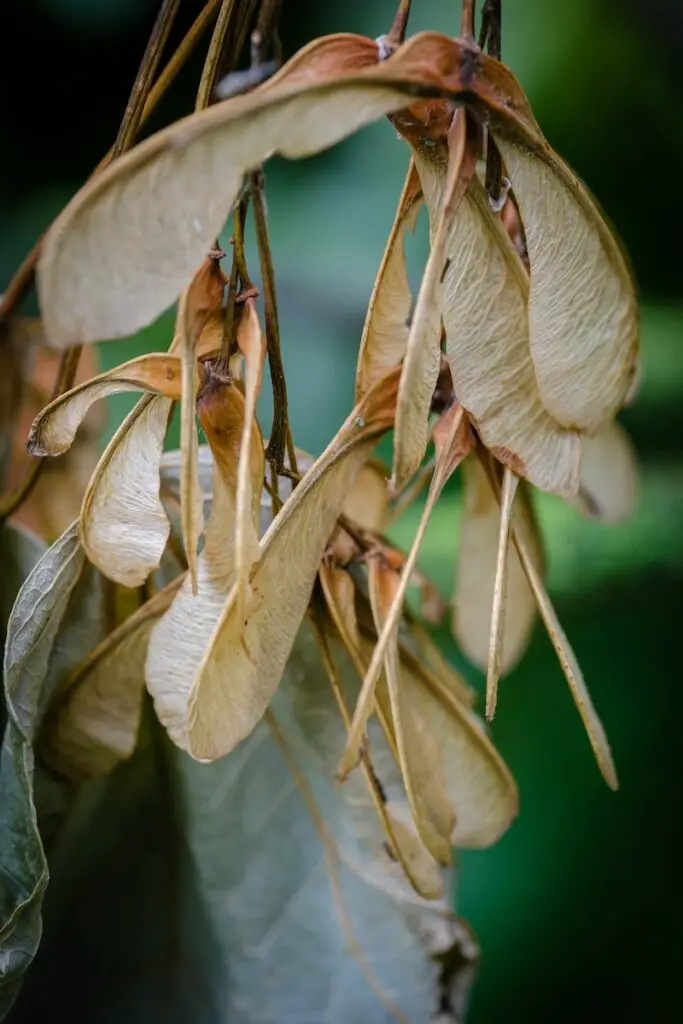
(577, 909)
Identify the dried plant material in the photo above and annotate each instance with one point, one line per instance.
(570, 666)
(453, 441)
(485, 294)
(385, 333)
(222, 709)
(420, 867)
(96, 722)
(583, 317)
(123, 525)
(53, 431)
(476, 573)
(609, 474)
(476, 782)
(495, 658)
(251, 344)
(429, 660)
(419, 761)
(367, 503)
(328, 91)
(423, 349)
(179, 641)
(375, 949)
(339, 589)
(200, 300)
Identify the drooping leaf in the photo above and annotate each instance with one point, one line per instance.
(423, 349)
(95, 722)
(609, 474)
(475, 573)
(385, 333)
(419, 760)
(325, 93)
(53, 431)
(124, 528)
(252, 346)
(485, 294)
(178, 642)
(224, 709)
(453, 442)
(56, 619)
(337, 910)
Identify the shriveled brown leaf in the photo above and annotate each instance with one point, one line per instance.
(96, 722)
(54, 429)
(224, 708)
(485, 296)
(453, 442)
(419, 761)
(476, 572)
(252, 346)
(609, 474)
(179, 641)
(423, 348)
(385, 333)
(199, 301)
(123, 525)
(178, 186)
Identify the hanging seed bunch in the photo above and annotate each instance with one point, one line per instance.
(270, 600)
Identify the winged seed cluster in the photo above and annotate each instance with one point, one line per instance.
(513, 361)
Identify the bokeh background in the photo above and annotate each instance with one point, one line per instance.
(578, 909)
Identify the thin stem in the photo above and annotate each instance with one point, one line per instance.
(491, 25)
(397, 32)
(266, 32)
(280, 435)
(22, 281)
(146, 72)
(9, 503)
(212, 63)
(467, 19)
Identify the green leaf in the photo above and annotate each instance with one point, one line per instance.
(56, 619)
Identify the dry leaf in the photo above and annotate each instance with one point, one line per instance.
(476, 572)
(609, 474)
(123, 525)
(224, 708)
(179, 641)
(54, 429)
(97, 719)
(385, 333)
